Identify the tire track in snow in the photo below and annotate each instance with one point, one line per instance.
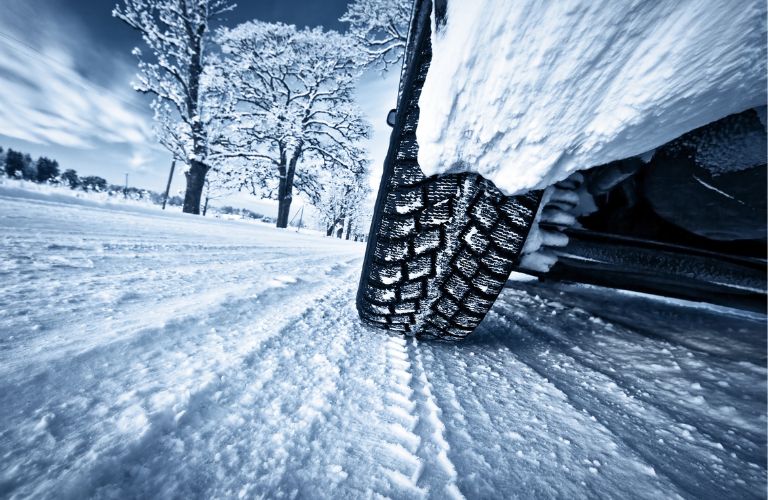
(663, 377)
(401, 465)
(174, 295)
(438, 474)
(463, 452)
(597, 449)
(358, 436)
(340, 458)
(655, 358)
(254, 423)
(468, 422)
(152, 409)
(418, 464)
(517, 436)
(675, 451)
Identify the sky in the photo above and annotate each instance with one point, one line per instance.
(65, 88)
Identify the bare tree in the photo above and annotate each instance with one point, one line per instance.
(175, 32)
(342, 204)
(215, 188)
(359, 220)
(293, 117)
(381, 28)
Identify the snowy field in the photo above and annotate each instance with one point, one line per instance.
(146, 354)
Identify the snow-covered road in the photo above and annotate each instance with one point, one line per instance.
(145, 354)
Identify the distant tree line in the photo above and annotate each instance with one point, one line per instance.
(21, 166)
(18, 165)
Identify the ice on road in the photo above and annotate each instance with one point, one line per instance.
(145, 354)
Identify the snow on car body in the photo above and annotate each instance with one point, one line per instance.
(525, 93)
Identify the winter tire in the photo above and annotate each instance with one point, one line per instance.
(440, 248)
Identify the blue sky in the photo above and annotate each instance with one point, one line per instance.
(66, 69)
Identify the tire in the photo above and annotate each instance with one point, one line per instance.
(440, 248)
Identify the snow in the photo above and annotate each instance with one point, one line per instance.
(204, 358)
(525, 93)
(539, 251)
(62, 193)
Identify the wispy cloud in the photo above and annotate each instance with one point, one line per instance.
(139, 161)
(44, 97)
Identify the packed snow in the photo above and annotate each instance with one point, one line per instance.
(526, 92)
(153, 355)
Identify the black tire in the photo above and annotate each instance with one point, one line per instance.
(440, 248)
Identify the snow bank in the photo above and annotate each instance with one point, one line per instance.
(526, 92)
(18, 188)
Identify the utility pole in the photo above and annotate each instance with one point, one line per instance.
(300, 213)
(125, 190)
(168, 186)
(301, 218)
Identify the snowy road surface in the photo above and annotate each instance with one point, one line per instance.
(156, 355)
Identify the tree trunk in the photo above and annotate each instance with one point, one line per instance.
(205, 206)
(197, 169)
(283, 211)
(329, 231)
(285, 191)
(349, 229)
(340, 231)
(195, 183)
(284, 199)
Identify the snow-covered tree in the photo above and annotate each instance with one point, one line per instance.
(47, 169)
(30, 169)
(359, 216)
(15, 162)
(292, 110)
(70, 178)
(175, 32)
(380, 27)
(93, 183)
(215, 188)
(342, 204)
